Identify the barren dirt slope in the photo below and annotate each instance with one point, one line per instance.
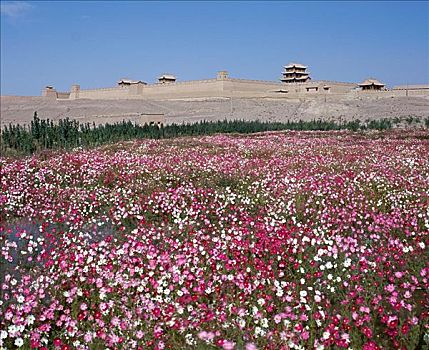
(21, 109)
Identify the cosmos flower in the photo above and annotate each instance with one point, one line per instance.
(297, 240)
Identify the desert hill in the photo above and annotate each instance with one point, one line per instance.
(19, 109)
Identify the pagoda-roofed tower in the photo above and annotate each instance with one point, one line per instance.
(371, 84)
(166, 78)
(295, 73)
(125, 82)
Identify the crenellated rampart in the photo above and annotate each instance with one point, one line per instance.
(226, 87)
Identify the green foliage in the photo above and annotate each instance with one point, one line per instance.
(382, 124)
(66, 134)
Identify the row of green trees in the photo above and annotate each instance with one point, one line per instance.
(44, 134)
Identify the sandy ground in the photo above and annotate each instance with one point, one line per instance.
(16, 109)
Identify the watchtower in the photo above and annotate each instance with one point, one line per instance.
(222, 75)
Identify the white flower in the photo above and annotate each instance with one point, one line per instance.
(12, 329)
(264, 323)
(303, 293)
(190, 339)
(20, 299)
(3, 334)
(19, 342)
(30, 319)
(326, 335)
(259, 331)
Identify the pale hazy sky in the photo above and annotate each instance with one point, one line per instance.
(96, 43)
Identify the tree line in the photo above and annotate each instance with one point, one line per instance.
(44, 134)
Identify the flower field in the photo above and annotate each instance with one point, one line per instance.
(297, 240)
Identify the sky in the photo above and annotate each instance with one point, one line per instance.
(96, 43)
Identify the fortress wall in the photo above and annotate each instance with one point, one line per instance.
(259, 88)
(337, 87)
(416, 92)
(181, 83)
(231, 87)
(334, 87)
(250, 88)
(189, 89)
(107, 93)
(49, 93)
(63, 95)
(392, 93)
(257, 82)
(410, 92)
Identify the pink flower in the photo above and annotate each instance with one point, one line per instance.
(139, 334)
(228, 345)
(370, 346)
(367, 332)
(115, 321)
(305, 335)
(250, 346)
